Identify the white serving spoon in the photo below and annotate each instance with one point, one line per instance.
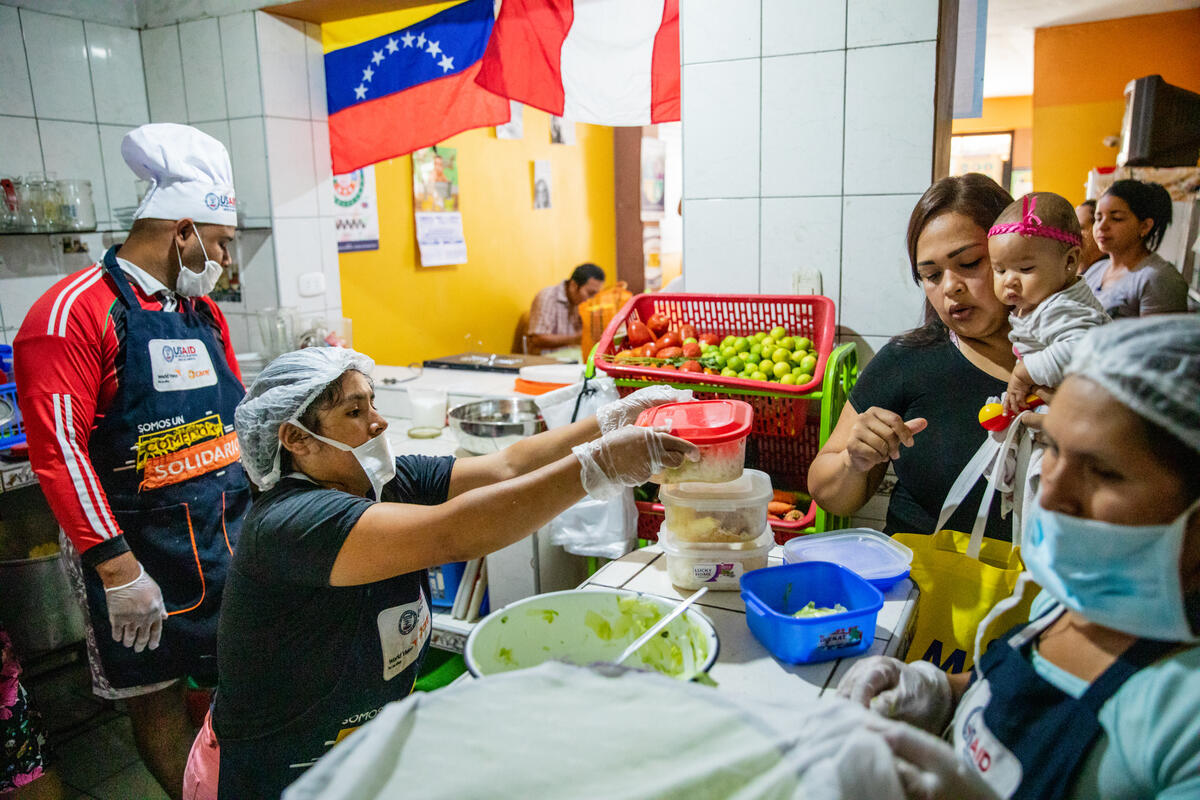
(658, 626)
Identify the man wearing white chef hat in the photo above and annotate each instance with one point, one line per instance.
(127, 385)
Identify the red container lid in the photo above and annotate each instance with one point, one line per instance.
(702, 421)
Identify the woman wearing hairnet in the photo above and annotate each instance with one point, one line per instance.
(1099, 694)
(326, 617)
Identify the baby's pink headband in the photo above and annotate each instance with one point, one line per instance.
(1031, 225)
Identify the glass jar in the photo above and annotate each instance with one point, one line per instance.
(8, 206)
(52, 205)
(30, 217)
(78, 209)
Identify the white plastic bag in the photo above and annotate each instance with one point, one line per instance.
(603, 528)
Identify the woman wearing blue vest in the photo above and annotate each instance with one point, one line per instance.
(1098, 695)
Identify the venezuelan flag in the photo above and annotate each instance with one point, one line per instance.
(403, 80)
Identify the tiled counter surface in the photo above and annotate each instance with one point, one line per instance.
(743, 665)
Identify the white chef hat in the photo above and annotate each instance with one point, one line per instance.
(189, 173)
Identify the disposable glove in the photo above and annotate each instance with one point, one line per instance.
(628, 457)
(928, 767)
(136, 612)
(625, 411)
(917, 693)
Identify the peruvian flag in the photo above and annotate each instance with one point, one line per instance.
(607, 62)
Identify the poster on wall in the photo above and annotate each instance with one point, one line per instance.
(562, 131)
(541, 184)
(435, 207)
(515, 127)
(654, 173)
(357, 220)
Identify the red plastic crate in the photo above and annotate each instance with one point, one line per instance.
(651, 516)
(726, 315)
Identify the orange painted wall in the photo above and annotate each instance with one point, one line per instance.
(1005, 114)
(1079, 77)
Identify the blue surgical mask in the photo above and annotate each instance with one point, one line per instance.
(374, 456)
(1124, 577)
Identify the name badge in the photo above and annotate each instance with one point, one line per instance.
(402, 632)
(979, 747)
(177, 365)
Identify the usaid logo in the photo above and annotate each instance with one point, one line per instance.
(222, 202)
(175, 352)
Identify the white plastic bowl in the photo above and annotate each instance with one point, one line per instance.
(585, 626)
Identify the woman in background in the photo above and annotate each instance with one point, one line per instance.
(1131, 218)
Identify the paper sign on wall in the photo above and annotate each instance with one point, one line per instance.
(435, 205)
(357, 220)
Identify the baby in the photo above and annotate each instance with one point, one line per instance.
(1035, 258)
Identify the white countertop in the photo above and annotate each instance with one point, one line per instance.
(743, 664)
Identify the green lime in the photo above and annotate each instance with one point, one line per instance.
(788, 380)
(782, 369)
(737, 363)
(690, 339)
(797, 370)
(728, 341)
(803, 343)
(787, 343)
(752, 358)
(721, 362)
(768, 344)
(741, 344)
(803, 379)
(758, 376)
(759, 336)
(779, 332)
(809, 364)
(729, 373)
(729, 352)
(780, 355)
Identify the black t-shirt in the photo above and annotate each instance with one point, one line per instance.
(936, 382)
(303, 663)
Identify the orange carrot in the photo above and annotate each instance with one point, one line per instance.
(780, 496)
(775, 507)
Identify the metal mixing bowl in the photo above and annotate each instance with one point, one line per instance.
(486, 426)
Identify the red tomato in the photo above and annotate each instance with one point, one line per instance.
(687, 332)
(639, 334)
(691, 366)
(669, 352)
(668, 339)
(647, 350)
(658, 323)
(692, 350)
(709, 338)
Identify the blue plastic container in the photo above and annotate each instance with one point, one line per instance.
(773, 594)
(443, 585)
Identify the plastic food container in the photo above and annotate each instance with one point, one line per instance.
(717, 565)
(872, 554)
(774, 594)
(718, 427)
(718, 512)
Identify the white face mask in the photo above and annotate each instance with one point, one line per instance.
(374, 456)
(197, 284)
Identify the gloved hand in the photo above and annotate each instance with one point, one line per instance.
(928, 767)
(136, 612)
(628, 457)
(917, 693)
(620, 413)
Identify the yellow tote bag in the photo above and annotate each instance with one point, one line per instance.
(962, 576)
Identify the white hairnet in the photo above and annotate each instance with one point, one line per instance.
(282, 392)
(1152, 365)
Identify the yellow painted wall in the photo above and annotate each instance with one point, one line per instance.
(403, 312)
(1079, 77)
(1005, 114)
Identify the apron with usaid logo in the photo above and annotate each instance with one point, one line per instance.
(167, 457)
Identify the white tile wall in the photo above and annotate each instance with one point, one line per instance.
(889, 89)
(204, 78)
(239, 51)
(329, 264)
(720, 245)
(298, 250)
(259, 284)
(219, 130)
(164, 74)
(878, 295)
(290, 168)
(315, 55)
(58, 67)
(16, 95)
(711, 33)
(802, 26)
(801, 232)
(22, 151)
(118, 179)
(323, 168)
(249, 157)
(802, 124)
(19, 296)
(72, 150)
(876, 22)
(721, 139)
(115, 57)
(283, 58)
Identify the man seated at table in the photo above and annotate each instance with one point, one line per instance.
(554, 317)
